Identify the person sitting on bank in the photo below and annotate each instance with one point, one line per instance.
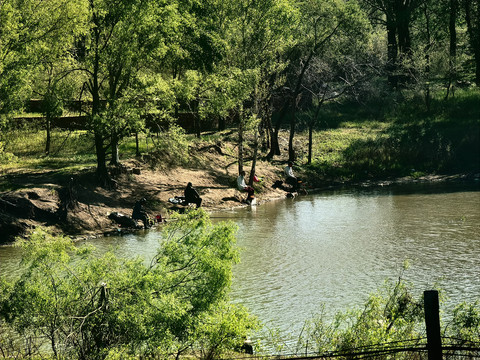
(139, 213)
(191, 196)
(242, 186)
(290, 178)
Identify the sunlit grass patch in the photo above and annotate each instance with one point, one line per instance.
(329, 145)
(410, 141)
(69, 150)
(27, 143)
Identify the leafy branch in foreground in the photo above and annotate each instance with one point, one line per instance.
(87, 306)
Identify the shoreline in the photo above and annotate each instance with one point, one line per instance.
(88, 219)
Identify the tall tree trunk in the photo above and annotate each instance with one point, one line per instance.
(254, 160)
(221, 123)
(102, 172)
(472, 17)
(274, 144)
(310, 141)
(291, 150)
(196, 118)
(198, 132)
(403, 11)
(137, 147)
(427, 58)
(114, 89)
(295, 98)
(392, 50)
(115, 160)
(452, 61)
(403, 14)
(48, 124)
(255, 141)
(240, 139)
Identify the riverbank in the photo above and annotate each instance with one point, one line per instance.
(61, 194)
(74, 206)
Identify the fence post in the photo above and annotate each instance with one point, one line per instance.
(432, 322)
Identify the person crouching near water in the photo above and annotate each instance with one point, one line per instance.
(139, 213)
(242, 186)
(191, 196)
(290, 178)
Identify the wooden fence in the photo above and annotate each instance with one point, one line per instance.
(433, 347)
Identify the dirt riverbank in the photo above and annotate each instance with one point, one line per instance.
(74, 205)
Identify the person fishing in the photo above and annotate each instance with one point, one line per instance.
(290, 178)
(139, 213)
(191, 196)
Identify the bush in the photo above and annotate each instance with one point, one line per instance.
(171, 147)
(6, 157)
(390, 315)
(89, 307)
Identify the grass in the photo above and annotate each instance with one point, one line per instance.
(69, 151)
(350, 142)
(408, 140)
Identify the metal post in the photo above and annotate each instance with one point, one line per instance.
(432, 322)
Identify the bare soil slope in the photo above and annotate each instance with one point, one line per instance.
(75, 206)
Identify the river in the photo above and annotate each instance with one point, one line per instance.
(336, 247)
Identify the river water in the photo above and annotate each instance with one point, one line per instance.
(336, 247)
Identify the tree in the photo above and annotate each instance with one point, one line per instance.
(452, 30)
(89, 306)
(32, 33)
(195, 61)
(396, 17)
(472, 17)
(125, 37)
(324, 27)
(54, 83)
(260, 35)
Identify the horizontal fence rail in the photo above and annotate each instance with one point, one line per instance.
(433, 347)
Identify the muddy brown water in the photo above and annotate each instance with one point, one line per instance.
(336, 247)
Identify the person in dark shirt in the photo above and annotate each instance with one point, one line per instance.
(191, 196)
(140, 214)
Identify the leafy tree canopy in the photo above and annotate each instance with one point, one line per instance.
(91, 306)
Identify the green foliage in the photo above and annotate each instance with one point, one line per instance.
(219, 332)
(32, 34)
(87, 306)
(170, 147)
(6, 157)
(390, 315)
(465, 325)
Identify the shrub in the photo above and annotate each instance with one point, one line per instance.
(171, 147)
(89, 307)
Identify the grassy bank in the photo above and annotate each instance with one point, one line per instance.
(351, 142)
(407, 140)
